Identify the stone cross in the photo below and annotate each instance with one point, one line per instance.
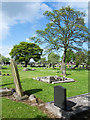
(60, 97)
(16, 78)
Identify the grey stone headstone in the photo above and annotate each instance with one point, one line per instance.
(16, 78)
(60, 97)
(63, 68)
(5, 92)
(25, 69)
(0, 73)
(32, 98)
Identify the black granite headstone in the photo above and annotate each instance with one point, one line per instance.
(60, 97)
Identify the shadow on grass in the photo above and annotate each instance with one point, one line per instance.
(32, 91)
(37, 118)
(6, 84)
(77, 69)
(67, 74)
(4, 68)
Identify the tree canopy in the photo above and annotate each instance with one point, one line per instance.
(43, 60)
(53, 58)
(70, 56)
(25, 51)
(4, 59)
(66, 29)
(80, 57)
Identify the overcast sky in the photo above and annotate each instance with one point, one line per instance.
(20, 20)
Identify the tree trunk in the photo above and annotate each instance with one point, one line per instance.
(63, 66)
(49, 65)
(26, 63)
(64, 56)
(31, 64)
(43, 64)
(53, 66)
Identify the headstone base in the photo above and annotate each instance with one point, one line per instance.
(20, 97)
(53, 109)
(82, 105)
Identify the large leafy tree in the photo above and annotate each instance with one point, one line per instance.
(4, 59)
(43, 61)
(53, 58)
(25, 51)
(66, 29)
(87, 54)
(80, 57)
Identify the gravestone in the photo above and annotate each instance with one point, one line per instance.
(0, 67)
(60, 97)
(25, 69)
(5, 92)
(0, 73)
(70, 108)
(19, 92)
(63, 68)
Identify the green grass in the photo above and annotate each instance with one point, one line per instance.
(12, 109)
(43, 90)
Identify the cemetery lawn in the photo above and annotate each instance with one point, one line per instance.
(42, 90)
(14, 110)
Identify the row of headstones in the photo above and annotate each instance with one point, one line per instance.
(59, 91)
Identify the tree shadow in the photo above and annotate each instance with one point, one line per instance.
(3, 68)
(32, 91)
(76, 69)
(6, 84)
(68, 74)
(38, 117)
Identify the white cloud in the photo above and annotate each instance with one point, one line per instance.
(27, 39)
(5, 50)
(13, 13)
(76, 5)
